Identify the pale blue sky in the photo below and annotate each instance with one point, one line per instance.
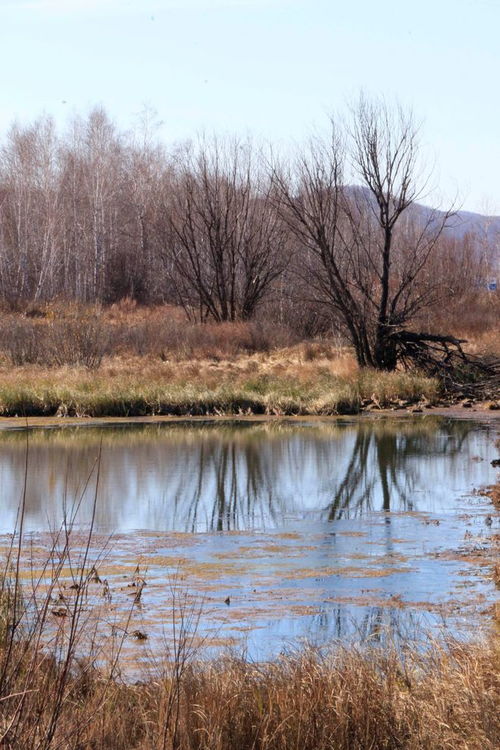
(274, 68)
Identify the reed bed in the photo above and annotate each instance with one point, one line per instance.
(351, 699)
(279, 383)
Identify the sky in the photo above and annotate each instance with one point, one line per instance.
(275, 69)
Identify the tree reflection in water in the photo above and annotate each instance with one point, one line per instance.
(383, 463)
(384, 459)
(237, 476)
(368, 624)
(316, 479)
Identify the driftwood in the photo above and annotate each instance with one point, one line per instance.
(443, 357)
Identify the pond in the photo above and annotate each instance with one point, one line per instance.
(267, 532)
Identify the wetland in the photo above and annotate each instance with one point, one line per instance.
(271, 534)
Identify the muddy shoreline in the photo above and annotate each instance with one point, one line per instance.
(477, 413)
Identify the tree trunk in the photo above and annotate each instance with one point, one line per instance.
(385, 351)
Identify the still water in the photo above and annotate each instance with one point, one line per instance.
(279, 530)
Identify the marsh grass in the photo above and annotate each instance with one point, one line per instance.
(281, 383)
(70, 334)
(349, 699)
(62, 358)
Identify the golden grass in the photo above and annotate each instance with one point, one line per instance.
(485, 342)
(474, 317)
(153, 362)
(281, 383)
(348, 700)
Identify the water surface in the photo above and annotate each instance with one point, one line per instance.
(283, 530)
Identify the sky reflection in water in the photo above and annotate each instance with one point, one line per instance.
(313, 529)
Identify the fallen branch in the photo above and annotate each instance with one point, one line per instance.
(442, 356)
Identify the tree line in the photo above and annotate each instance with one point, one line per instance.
(330, 234)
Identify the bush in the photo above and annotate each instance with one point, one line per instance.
(168, 338)
(22, 341)
(80, 340)
(83, 340)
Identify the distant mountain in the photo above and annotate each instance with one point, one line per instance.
(484, 229)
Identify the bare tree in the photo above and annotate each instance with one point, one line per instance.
(222, 242)
(336, 239)
(313, 201)
(138, 272)
(366, 248)
(29, 212)
(386, 158)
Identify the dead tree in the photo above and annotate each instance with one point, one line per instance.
(222, 243)
(313, 202)
(367, 248)
(385, 155)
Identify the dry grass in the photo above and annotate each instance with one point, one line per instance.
(58, 333)
(126, 360)
(474, 317)
(349, 700)
(128, 329)
(52, 694)
(283, 382)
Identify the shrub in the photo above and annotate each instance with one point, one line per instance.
(23, 341)
(82, 340)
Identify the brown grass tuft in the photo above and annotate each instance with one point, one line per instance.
(349, 700)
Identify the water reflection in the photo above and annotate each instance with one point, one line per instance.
(242, 476)
(384, 465)
(373, 624)
(326, 548)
